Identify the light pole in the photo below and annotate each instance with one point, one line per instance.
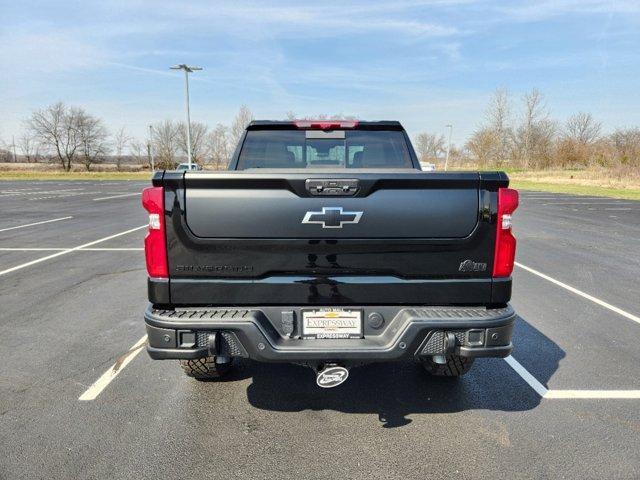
(13, 144)
(446, 160)
(153, 166)
(187, 70)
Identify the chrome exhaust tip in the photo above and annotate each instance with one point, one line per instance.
(331, 375)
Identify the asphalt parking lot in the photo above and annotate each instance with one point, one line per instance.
(72, 290)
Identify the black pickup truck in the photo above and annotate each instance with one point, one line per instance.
(326, 245)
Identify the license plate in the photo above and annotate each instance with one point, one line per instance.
(332, 323)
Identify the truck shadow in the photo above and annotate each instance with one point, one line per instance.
(395, 391)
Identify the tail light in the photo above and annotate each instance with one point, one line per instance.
(155, 249)
(505, 241)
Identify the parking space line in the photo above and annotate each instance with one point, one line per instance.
(55, 249)
(64, 252)
(526, 376)
(602, 303)
(559, 198)
(35, 223)
(116, 196)
(593, 394)
(112, 249)
(545, 393)
(107, 377)
(27, 249)
(540, 198)
(588, 203)
(65, 191)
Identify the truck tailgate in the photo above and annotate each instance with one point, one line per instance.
(256, 211)
(409, 237)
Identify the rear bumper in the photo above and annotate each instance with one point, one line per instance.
(270, 334)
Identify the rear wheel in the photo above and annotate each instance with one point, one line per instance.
(456, 366)
(205, 368)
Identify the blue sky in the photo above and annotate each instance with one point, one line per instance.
(425, 63)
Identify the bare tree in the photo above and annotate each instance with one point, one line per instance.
(5, 155)
(94, 136)
(498, 126)
(535, 135)
(339, 116)
(626, 143)
(492, 142)
(241, 121)
(541, 143)
(583, 128)
(140, 152)
(29, 147)
(198, 140)
(165, 144)
(322, 116)
(430, 146)
(483, 146)
(534, 108)
(57, 128)
(219, 147)
(120, 141)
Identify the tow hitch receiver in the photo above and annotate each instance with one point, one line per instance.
(331, 376)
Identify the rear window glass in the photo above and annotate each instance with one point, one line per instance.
(292, 149)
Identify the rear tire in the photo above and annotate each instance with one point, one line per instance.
(205, 368)
(456, 366)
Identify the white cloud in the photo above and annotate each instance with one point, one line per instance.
(541, 10)
(290, 20)
(48, 52)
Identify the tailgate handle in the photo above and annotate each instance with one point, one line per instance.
(319, 187)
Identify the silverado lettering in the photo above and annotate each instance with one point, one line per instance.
(213, 268)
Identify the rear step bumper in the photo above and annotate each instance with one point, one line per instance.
(411, 333)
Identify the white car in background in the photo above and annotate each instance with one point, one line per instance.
(428, 167)
(186, 166)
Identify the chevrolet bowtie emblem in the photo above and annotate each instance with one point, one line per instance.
(332, 217)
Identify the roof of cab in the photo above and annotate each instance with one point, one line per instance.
(360, 125)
